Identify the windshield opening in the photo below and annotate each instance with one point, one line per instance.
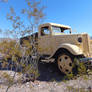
(60, 30)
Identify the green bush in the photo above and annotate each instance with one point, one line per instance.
(69, 76)
(82, 69)
(14, 53)
(79, 68)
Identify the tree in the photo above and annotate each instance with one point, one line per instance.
(25, 58)
(4, 0)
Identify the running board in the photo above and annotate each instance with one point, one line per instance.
(47, 60)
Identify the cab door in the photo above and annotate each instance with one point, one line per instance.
(44, 41)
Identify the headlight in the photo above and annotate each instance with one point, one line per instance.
(80, 39)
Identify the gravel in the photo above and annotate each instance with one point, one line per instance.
(50, 80)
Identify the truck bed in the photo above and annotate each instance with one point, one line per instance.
(28, 38)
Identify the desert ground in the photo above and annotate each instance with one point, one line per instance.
(50, 80)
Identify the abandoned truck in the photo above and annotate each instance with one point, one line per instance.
(58, 44)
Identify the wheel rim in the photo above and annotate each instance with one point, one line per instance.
(65, 64)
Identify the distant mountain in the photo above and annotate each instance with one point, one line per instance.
(6, 39)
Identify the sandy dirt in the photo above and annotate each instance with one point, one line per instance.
(50, 80)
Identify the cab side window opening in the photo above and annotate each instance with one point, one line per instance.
(45, 31)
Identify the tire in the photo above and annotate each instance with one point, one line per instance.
(65, 62)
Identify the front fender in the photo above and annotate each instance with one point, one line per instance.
(75, 50)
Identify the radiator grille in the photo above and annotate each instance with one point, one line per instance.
(91, 47)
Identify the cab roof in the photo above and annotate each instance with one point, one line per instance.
(54, 24)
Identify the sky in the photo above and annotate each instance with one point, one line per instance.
(75, 13)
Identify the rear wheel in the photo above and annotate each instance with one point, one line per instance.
(65, 63)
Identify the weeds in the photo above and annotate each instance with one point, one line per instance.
(79, 69)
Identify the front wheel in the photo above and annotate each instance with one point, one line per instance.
(65, 63)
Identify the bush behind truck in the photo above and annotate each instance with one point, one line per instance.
(56, 43)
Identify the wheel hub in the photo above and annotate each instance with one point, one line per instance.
(65, 64)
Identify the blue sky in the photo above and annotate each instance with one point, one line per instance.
(76, 13)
